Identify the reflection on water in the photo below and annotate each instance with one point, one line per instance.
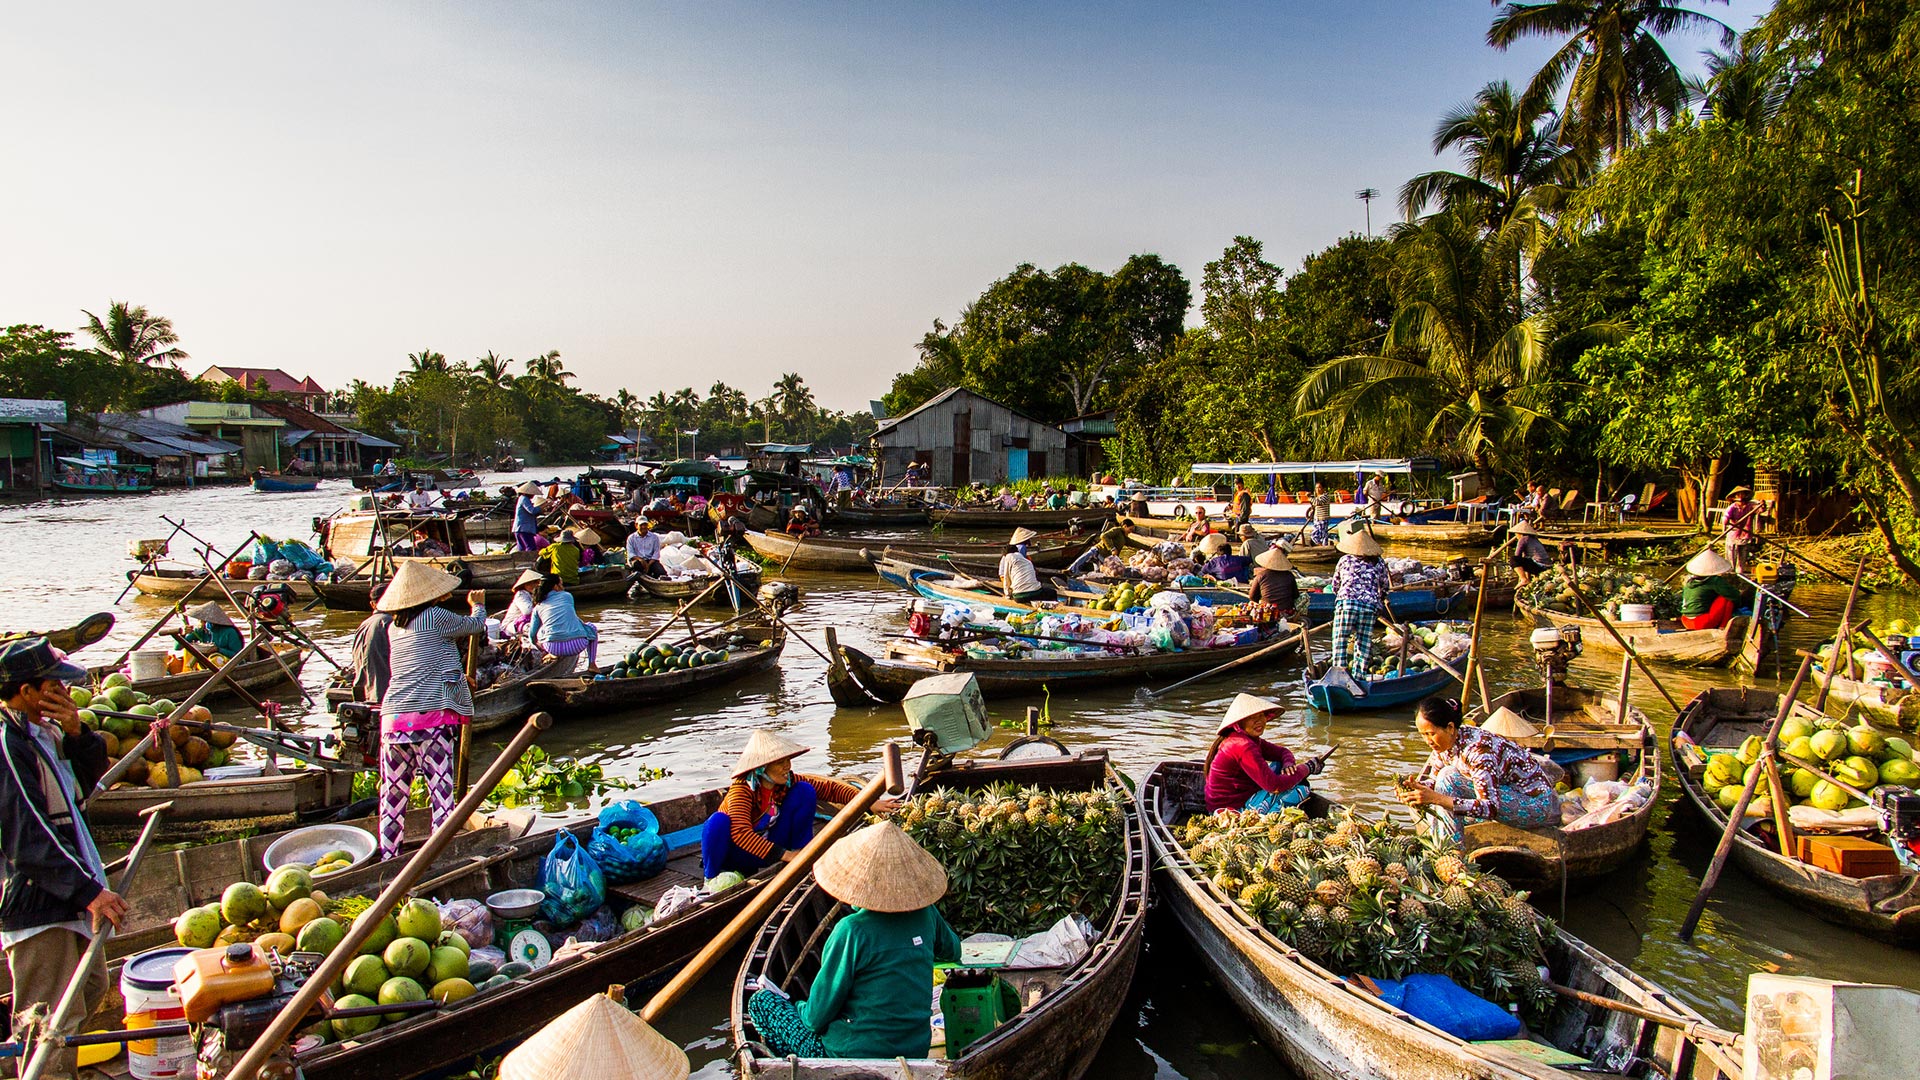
(66, 559)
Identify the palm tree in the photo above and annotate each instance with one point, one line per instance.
(1748, 85)
(133, 337)
(547, 368)
(627, 407)
(792, 397)
(685, 406)
(1514, 165)
(763, 411)
(492, 371)
(1617, 76)
(726, 404)
(659, 408)
(1462, 366)
(426, 361)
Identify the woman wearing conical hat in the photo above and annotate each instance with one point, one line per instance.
(1245, 771)
(1530, 556)
(1219, 562)
(1743, 515)
(1274, 583)
(872, 996)
(211, 627)
(766, 813)
(1360, 586)
(1711, 592)
(1481, 774)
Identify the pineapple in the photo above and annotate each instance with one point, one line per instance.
(1364, 872)
(1332, 892)
(1458, 902)
(1448, 867)
(1258, 899)
(1412, 911)
(1292, 888)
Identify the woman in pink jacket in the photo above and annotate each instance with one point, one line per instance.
(1245, 771)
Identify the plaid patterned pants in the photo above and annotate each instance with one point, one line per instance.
(401, 755)
(1353, 636)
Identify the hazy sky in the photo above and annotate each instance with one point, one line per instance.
(674, 194)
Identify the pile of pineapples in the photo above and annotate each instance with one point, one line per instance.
(1377, 899)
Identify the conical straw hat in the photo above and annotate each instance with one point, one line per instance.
(526, 578)
(880, 868)
(1022, 535)
(528, 488)
(1246, 705)
(417, 583)
(1273, 559)
(1505, 721)
(211, 612)
(587, 536)
(1358, 541)
(1708, 563)
(1523, 527)
(765, 748)
(597, 1039)
(1214, 544)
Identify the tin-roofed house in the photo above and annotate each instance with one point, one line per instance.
(962, 437)
(22, 422)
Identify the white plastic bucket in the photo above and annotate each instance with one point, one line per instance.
(1636, 612)
(149, 664)
(1600, 768)
(146, 982)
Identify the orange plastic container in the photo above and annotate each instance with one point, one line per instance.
(211, 978)
(239, 568)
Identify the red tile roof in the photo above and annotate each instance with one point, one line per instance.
(301, 418)
(274, 379)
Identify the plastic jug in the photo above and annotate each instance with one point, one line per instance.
(211, 978)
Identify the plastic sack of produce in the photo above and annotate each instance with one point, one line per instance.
(302, 556)
(1060, 945)
(627, 843)
(1178, 602)
(1168, 631)
(470, 919)
(572, 882)
(280, 569)
(264, 551)
(259, 572)
(1200, 621)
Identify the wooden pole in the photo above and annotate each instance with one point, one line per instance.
(295, 1011)
(1841, 637)
(1738, 814)
(50, 1042)
(888, 779)
(178, 605)
(1626, 679)
(1300, 637)
(1473, 642)
(1407, 638)
(1573, 581)
(1691, 1028)
(1827, 776)
(466, 730)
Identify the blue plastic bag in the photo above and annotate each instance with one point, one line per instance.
(301, 556)
(265, 551)
(639, 856)
(1450, 1007)
(572, 882)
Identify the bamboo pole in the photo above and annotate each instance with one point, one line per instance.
(1299, 637)
(1841, 636)
(1738, 814)
(888, 779)
(294, 1013)
(1573, 581)
(1473, 643)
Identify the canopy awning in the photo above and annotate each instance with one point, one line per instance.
(782, 448)
(1297, 468)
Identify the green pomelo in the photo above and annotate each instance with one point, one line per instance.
(365, 975)
(451, 939)
(117, 678)
(353, 1027)
(408, 956)
(419, 918)
(321, 935)
(242, 903)
(287, 884)
(451, 990)
(397, 990)
(82, 697)
(196, 928)
(447, 963)
(382, 936)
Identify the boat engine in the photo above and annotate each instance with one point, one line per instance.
(1554, 649)
(1899, 810)
(781, 596)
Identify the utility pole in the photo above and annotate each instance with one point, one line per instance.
(1366, 195)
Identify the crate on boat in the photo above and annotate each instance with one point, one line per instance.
(1849, 855)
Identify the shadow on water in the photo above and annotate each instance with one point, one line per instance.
(65, 559)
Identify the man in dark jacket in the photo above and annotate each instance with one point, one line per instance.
(53, 888)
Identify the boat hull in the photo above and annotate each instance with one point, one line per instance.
(262, 674)
(889, 680)
(174, 584)
(287, 796)
(1381, 693)
(1088, 516)
(592, 697)
(1653, 641)
(282, 485)
(854, 554)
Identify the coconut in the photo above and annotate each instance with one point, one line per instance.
(352, 1027)
(287, 884)
(243, 902)
(1898, 770)
(397, 990)
(1827, 796)
(419, 918)
(197, 927)
(1859, 771)
(321, 935)
(365, 975)
(1829, 745)
(408, 956)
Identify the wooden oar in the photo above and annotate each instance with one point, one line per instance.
(1300, 636)
(1473, 643)
(1573, 582)
(1691, 1028)
(1737, 815)
(178, 606)
(294, 1013)
(64, 1012)
(1841, 638)
(1825, 775)
(889, 779)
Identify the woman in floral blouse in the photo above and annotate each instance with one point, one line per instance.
(1360, 585)
(1482, 776)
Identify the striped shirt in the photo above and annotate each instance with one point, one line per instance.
(1322, 505)
(426, 673)
(745, 806)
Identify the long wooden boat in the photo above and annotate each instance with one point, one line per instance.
(1087, 516)
(580, 696)
(1886, 906)
(854, 678)
(1665, 641)
(1301, 556)
(357, 535)
(1581, 723)
(1383, 692)
(894, 565)
(1893, 707)
(1066, 1011)
(1426, 533)
(1327, 1027)
(283, 483)
(1418, 602)
(597, 584)
(259, 674)
(876, 517)
(851, 553)
(69, 639)
(171, 584)
(942, 586)
(272, 801)
(680, 590)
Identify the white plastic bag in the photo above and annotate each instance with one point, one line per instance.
(676, 898)
(1060, 945)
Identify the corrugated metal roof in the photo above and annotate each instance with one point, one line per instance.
(375, 441)
(32, 411)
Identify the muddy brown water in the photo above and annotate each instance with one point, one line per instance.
(61, 560)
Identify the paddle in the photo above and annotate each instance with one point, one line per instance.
(1840, 637)
(294, 1013)
(889, 779)
(1691, 1028)
(63, 1013)
(1573, 582)
(1825, 775)
(1737, 815)
(1284, 642)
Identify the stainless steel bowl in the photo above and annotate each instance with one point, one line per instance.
(515, 903)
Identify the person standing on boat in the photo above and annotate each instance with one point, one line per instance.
(526, 516)
(643, 550)
(870, 998)
(766, 813)
(1479, 776)
(556, 627)
(1711, 593)
(1743, 516)
(1018, 579)
(1240, 511)
(561, 558)
(1530, 556)
(420, 500)
(1360, 585)
(1245, 771)
(1376, 492)
(1274, 583)
(212, 627)
(1137, 503)
(1220, 563)
(1320, 512)
(53, 886)
(428, 696)
(372, 658)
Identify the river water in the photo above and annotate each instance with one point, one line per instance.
(61, 560)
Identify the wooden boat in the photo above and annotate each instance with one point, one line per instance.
(851, 553)
(1326, 1027)
(876, 517)
(597, 584)
(72, 638)
(1420, 602)
(683, 589)
(1302, 556)
(1893, 707)
(1425, 533)
(1383, 692)
(283, 483)
(273, 801)
(1886, 906)
(1067, 1011)
(895, 566)
(942, 586)
(579, 696)
(505, 702)
(171, 584)
(434, 478)
(262, 673)
(854, 678)
(80, 477)
(1087, 516)
(1662, 640)
(357, 536)
(1582, 724)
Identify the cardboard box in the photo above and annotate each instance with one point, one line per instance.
(1848, 855)
(1817, 1029)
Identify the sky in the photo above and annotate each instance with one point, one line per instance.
(674, 194)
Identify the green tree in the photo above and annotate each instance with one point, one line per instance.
(1515, 168)
(134, 338)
